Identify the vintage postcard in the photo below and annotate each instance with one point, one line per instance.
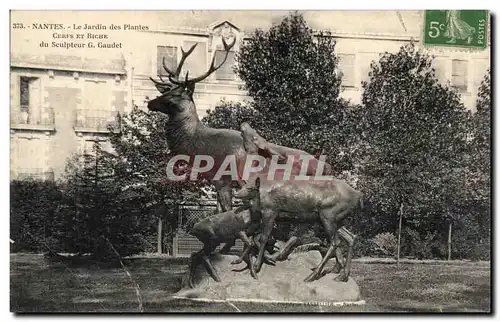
(250, 161)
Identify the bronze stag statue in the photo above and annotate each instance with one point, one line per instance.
(187, 135)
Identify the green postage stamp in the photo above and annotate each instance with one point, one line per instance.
(460, 28)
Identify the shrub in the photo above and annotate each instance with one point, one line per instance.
(363, 247)
(33, 211)
(385, 244)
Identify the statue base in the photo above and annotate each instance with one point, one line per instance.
(281, 283)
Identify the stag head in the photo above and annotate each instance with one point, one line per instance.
(177, 94)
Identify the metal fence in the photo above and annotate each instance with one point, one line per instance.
(98, 120)
(22, 115)
(185, 244)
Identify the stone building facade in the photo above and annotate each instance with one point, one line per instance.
(53, 115)
(62, 100)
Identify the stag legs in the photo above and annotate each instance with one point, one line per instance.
(349, 237)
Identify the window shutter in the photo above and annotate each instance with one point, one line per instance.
(226, 71)
(346, 66)
(170, 54)
(459, 74)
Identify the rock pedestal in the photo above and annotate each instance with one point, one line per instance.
(283, 282)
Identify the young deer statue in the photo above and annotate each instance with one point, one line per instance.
(325, 202)
(187, 135)
(227, 226)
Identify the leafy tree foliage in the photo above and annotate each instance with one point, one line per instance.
(230, 115)
(290, 74)
(406, 144)
(97, 210)
(33, 208)
(480, 168)
(292, 77)
(481, 142)
(413, 142)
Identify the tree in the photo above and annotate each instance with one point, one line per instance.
(96, 211)
(292, 77)
(480, 142)
(480, 165)
(230, 115)
(468, 186)
(414, 140)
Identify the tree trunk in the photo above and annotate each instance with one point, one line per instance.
(159, 237)
(399, 233)
(449, 241)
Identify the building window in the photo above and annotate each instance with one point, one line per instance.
(170, 54)
(88, 153)
(97, 110)
(29, 110)
(459, 75)
(89, 156)
(28, 92)
(89, 145)
(29, 159)
(226, 71)
(25, 93)
(97, 95)
(346, 66)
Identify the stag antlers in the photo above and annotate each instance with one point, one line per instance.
(173, 77)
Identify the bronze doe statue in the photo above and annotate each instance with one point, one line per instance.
(326, 202)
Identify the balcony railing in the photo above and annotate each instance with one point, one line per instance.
(97, 120)
(34, 174)
(32, 118)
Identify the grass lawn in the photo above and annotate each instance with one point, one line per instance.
(38, 284)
